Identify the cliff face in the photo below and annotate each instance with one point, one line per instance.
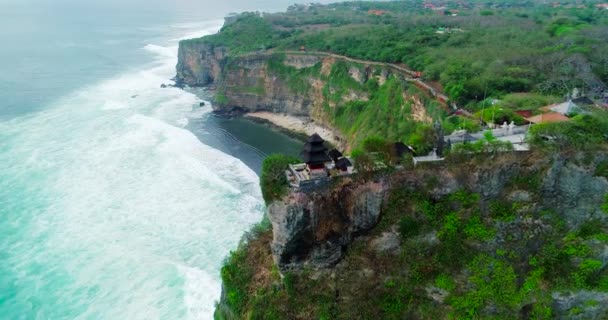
(302, 84)
(245, 83)
(314, 228)
(353, 99)
(199, 64)
(248, 85)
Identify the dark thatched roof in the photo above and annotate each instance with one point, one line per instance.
(315, 138)
(315, 151)
(334, 154)
(343, 164)
(315, 158)
(400, 148)
(583, 100)
(310, 147)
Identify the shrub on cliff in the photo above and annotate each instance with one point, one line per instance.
(273, 180)
(378, 146)
(583, 132)
(489, 144)
(236, 275)
(250, 32)
(364, 162)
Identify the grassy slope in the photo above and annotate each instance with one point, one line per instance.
(526, 47)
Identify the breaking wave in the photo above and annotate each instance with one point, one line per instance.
(112, 210)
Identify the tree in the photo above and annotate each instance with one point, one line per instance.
(364, 163)
(273, 180)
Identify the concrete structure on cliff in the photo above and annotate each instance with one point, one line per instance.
(319, 165)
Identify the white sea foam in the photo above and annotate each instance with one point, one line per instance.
(165, 52)
(207, 28)
(135, 214)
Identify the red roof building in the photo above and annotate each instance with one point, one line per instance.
(525, 113)
(548, 118)
(377, 12)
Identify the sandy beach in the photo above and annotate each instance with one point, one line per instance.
(297, 124)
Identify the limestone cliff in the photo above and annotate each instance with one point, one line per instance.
(199, 64)
(245, 82)
(507, 236)
(314, 228)
(305, 84)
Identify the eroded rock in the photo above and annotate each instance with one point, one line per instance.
(314, 228)
(388, 242)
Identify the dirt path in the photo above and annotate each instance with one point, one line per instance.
(409, 75)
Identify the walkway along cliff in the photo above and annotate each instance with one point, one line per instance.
(320, 86)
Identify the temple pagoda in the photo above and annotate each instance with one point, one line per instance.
(315, 152)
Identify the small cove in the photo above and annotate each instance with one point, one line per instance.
(245, 139)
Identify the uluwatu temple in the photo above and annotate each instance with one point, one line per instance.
(320, 164)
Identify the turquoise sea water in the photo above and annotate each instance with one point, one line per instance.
(116, 200)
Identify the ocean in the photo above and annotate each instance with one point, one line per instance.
(118, 199)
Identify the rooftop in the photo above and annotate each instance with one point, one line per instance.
(564, 108)
(548, 118)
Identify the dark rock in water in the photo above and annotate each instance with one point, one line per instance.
(202, 104)
(163, 86)
(230, 112)
(134, 96)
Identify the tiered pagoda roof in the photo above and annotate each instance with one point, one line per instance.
(315, 151)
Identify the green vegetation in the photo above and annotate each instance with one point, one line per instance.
(494, 282)
(386, 114)
(602, 169)
(375, 154)
(408, 227)
(252, 32)
(491, 257)
(482, 253)
(453, 123)
(489, 144)
(526, 101)
(605, 204)
(296, 79)
(584, 132)
(499, 115)
(273, 181)
(236, 275)
(492, 59)
(220, 97)
(487, 52)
